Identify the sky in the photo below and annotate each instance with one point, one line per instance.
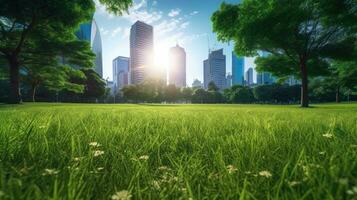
(186, 22)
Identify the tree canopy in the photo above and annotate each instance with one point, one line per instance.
(298, 34)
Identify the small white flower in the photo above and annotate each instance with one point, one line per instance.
(98, 153)
(293, 183)
(50, 172)
(265, 174)
(122, 195)
(322, 152)
(327, 135)
(231, 169)
(100, 168)
(144, 157)
(77, 159)
(94, 144)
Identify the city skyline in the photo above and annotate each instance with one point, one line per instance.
(186, 23)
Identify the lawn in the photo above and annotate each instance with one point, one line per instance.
(84, 151)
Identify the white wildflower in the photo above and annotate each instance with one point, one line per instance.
(98, 153)
(231, 169)
(49, 172)
(144, 157)
(293, 183)
(265, 174)
(327, 135)
(94, 144)
(100, 168)
(122, 195)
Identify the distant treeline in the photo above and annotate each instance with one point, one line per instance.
(158, 92)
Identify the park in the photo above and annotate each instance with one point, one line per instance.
(152, 151)
(187, 100)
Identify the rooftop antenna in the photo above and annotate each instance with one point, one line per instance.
(208, 45)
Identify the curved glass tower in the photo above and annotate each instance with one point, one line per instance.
(90, 32)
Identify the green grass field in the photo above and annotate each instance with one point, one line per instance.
(83, 151)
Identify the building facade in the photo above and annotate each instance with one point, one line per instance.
(237, 70)
(229, 81)
(177, 69)
(214, 69)
(141, 51)
(265, 78)
(90, 32)
(120, 72)
(249, 77)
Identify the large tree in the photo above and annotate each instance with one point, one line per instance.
(297, 32)
(22, 21)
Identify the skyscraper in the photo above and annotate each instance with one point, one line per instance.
(90, 32)
(249, 77)
(214, 69)
(177, 70)
(120, 72)
(265, 78)
(229, 81)
(141, 51)
(237, 70)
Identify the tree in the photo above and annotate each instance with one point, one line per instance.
(131, 92)
(297, 31)
(171, 93)
(94, 85)
(22, 22)
(242, 95)
(212, 87)
(186, 94)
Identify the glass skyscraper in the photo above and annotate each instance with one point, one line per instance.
(90, 32)
(214, 69)
(141, 51)
(237, 70)
(120, 72)
(177, 70)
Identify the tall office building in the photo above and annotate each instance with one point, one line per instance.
(120, 72)
(141, 51)
(90, 32)
(177, 70)
(214, 69)
(237, 70)
(265, 78)
(229, 81)
(249, 77)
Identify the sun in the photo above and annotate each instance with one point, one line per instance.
(161, 56)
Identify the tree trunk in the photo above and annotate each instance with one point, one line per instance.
(15, 96)
(34, 88)
(338, 94)
(304, 83)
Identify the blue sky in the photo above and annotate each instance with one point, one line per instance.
(184, 21)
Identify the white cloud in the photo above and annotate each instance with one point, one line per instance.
(103, 31)
(116, 31)
(174, 12)
(184, 25)
(194, 13)
(140, 12)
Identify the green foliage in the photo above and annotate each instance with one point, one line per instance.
(212, 87)
(299, 34)
(177, 151)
